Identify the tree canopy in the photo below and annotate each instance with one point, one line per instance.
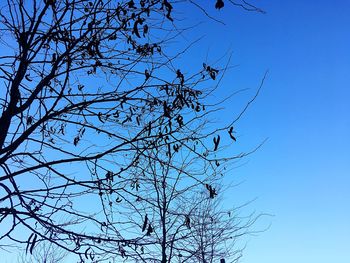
(97, 120)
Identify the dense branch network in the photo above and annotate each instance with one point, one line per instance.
(92, 110)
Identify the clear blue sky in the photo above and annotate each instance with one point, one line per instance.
(301, 175)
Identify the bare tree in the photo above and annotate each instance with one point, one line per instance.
(217, 232)
(45, 252)
(89, 90)
(171, 204)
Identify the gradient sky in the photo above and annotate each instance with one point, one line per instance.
(301, 174)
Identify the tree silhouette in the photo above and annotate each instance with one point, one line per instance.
(89, 92)
(168, 207)
(45, 252)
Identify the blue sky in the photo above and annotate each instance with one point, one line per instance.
(301, 174)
